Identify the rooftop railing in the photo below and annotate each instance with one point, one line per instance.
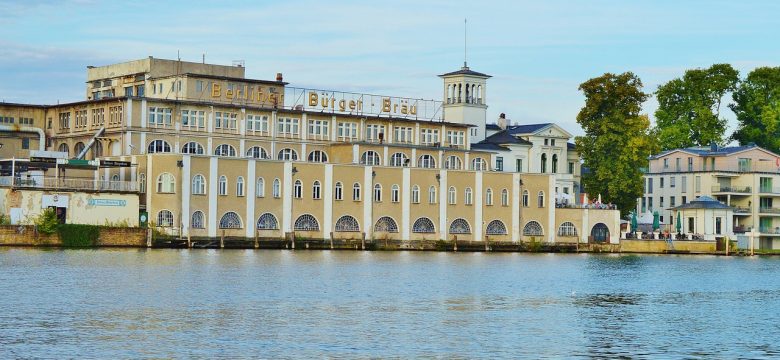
(70, 184)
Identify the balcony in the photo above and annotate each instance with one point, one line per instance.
(769, 190)
(731, 189)
(64, 184)
(741, 210)
(769, 210)
(769, 230)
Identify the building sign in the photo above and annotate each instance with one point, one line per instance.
(362, 104)
(55, 200)
(114, 163)
(107, 202)
(237, 91)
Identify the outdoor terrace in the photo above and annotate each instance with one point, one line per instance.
(65, 184)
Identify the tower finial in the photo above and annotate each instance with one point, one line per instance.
(465, 44)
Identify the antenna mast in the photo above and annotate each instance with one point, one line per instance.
(465, 45)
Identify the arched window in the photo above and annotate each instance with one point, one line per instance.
(240, 186)
(370, 158)
(386, 224)
(432, 195)
(453, 163)
(338, 192)
(277, 189)
(426, 161)
(222, 185)
(395, 193)
(504, 197)
(298, 189)
(544, 163)
(318, 156)
(460, 226)
(468, 197)
(356, 191)
(525, 198)
(192, 148)
(555, 163)
(316, 190)
(496, 227)
(489, 196)
(225, 150)
(306, 222)
(165, 218)
(267, 221)
(142, 183)
(230, 220)
(347, 223)
(97, 150)
(540, 198)
(288, 154)
(423, 225)
(260, 187)
(399, 159)
(452, 196)
(79, 148)
(567, 229)
(377, 193)
(257, 152)
(166, 183)
(415, 194)
(599, 233)
(478, 164)
(198, 185)
(156, 146)
(532, 228)
(64, 148)
(198, 220)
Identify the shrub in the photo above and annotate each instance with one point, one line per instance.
(47, 222)
(79, 235)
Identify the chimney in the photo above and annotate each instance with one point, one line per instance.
(502, 121)
(279, 77)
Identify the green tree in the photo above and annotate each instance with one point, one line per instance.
(757, 106)
(689, 107)
(47, 222)
(617, 140)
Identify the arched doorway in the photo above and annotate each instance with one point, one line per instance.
(599, 233)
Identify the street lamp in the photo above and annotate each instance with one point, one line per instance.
(292, 213)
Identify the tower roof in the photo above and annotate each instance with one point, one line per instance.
(466, 71)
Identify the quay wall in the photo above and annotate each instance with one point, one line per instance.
(660, 246)
(25, 235)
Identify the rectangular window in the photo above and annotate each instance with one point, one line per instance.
(684, 184)
(672, 201)
(257, 124)
(744, 164)
(690, 164)
(139, 90)
(193, 119)
(81, 118)
(697, 184)
(347, 131)
(644, 204)
(25, 143)
(98, 117)
(64, 120)
(319, 129)
(519, 165)
(661, 182)
(666, 163)
(25, 121)
(718, 225)
(765, 184)
(115, 115)
(661, 202)
(672, 181)
(402, 135)
(159, 116)
(128, 91)
(571, 167)
(429, 137)
(499, 163)
(225, 120)
(373, 131)
(677, 164)
(199, 85)
(650, 185)
(650, 203)
(456, 138)
(287, 127)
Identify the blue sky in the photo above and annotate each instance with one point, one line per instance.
(537, 51)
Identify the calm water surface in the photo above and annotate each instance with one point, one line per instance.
(304, 304)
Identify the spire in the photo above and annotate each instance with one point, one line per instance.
(465, 44)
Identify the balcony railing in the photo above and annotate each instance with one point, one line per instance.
(769, 230)
(70, 184)
(742, 210)
(769, 190)
(769, 210)
(731, 189)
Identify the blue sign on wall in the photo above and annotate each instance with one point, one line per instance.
(106, 202)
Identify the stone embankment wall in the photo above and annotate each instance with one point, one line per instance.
(660, 246)
(25, 235)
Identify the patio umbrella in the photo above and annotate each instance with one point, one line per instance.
(634, 221)
(679, 223)
(656, 221)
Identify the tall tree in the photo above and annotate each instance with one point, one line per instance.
(689, 107)
(757, 106)
(617, 141)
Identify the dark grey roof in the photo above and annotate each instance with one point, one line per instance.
(703, 202)
(504, 137)
(526, 129)
(571, 146)
(466, 71)
(488, 147)
(708, 151)
(492, 127)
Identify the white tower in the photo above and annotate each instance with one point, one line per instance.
(464, 100)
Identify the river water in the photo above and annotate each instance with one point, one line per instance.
(314, 304)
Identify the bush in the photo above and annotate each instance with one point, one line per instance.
(47, 222)
(79, 235)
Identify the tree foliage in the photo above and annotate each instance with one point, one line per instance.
(617, 140)
(757, 106)
(689, 107)
(47, 222)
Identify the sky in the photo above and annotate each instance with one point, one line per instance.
(538, 52)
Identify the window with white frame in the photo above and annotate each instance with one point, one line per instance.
(377, 193)
(225, 120)
(230, 220)
(525, 198)
(267, 221)
(222, 186)
(158, 146)
(165, 218)
(287, 154)
(370, 158)
(257, 152)
(429, 136)
(453, 162)
(192, 148)
(399, 159)
(318, 156)
(504, 197)
(456, 138)
(225, 150)
(468, 196)
(316, 190)
(452, 196)
(567, 229)
(319, 129)
(356, 192)
(198, 221)
(460, 226)
(198, 185)
(415, 194)
(432, 195)
(489, 197)
(240, 186)
(347, 223)
(159, 116)
(287, 127)
(166, 183)
(298, 189)
(338, 192)
(306, 222)
(277, 189)
(496, 227)
(423, 225)
(260, 187)
(540, 198)
(426, 161)
(257, 124)
(373, 131)
(193, 119)
(395, 193)
(403, 135)
(478, 164)
(347, 131)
